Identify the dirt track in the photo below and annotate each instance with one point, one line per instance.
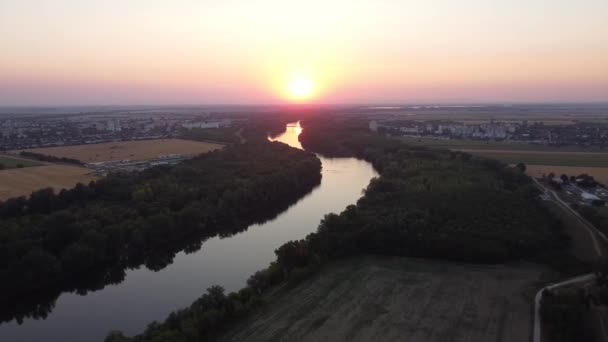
(401, 299)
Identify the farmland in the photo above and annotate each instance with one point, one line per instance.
(400, 299)
(513, 153)
(9, 162)
(579, 159)
(128, 150)
(21, 182)
(470, 144)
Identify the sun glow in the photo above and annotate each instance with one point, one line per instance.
(301, 88)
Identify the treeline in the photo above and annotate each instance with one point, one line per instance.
(48, 158)
(225, 135)
(204, 320)
(87, 236)
(426, 203)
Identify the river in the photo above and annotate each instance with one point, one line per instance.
(146, 295)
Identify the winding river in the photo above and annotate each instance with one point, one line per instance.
(146, 295)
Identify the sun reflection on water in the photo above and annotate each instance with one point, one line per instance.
(290, 136)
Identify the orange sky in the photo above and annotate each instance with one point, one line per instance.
(198, 51)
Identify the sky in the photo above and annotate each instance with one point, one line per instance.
(103, 52)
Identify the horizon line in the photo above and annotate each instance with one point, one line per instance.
(343, 104)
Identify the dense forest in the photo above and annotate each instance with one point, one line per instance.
(434, 203)
(426, 203)
(85, 238)
(225, 135)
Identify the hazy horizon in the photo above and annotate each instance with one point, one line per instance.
(388, 105)
(91, 53)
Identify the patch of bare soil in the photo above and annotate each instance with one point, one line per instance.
(401, 299)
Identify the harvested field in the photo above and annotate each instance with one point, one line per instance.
(401, 299)
(513, 153)
(599, 173)
(490, 145)
(131, 150)
(578, 159)
(21, 182)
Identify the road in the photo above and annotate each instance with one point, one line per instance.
(595, 236)
(594, 233)
(239, 134)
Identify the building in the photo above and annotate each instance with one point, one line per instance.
(114, 125)
(373, 126)
(589, 198)
(207, 124)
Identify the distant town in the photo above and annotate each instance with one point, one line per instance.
(23, 132)
(582, 134)
(46, 131)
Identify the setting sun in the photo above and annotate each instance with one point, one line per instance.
(301, 88)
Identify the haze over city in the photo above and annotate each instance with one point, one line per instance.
(85, 52)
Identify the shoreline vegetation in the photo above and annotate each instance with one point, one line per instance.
(426, 203)
(87, 237)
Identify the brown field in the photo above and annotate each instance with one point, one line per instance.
(567, 153)
(570, 159)
(21, 182)
(131, 150)
(401, 299)
(548, 122)
(599, 173)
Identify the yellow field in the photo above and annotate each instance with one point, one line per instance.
(21, 182)
(599, 173)
(129, 150)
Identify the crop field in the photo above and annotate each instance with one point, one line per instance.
(599, 173)
(578, 159)
(401, 299)
(129, 150)
(21, 182)
(513, 153)
(469, 144)
(9, 162)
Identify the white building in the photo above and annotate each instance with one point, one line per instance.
(113, 125)
(373, 126)
(590, 198)
(207, 124)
